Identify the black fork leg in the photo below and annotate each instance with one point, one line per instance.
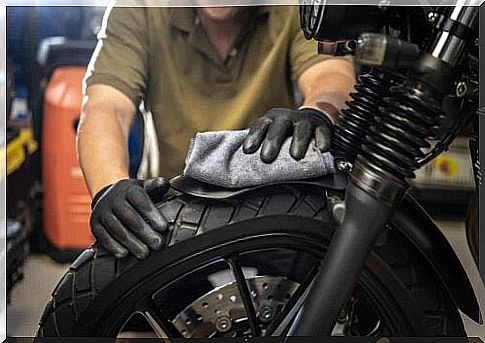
(347, 255)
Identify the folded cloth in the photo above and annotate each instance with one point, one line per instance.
(217, 158)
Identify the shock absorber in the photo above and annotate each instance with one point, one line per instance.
(390, 153)
(356, 119)
(412, 113)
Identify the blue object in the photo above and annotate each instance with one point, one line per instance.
(135, 144)
(27, 26)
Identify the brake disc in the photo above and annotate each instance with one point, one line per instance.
(221, 311)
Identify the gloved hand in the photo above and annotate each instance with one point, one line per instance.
(277, 124)
(124, 218)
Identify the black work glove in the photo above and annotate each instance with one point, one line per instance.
(124, 218)
(277, 124)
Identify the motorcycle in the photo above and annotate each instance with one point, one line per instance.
(351, 253)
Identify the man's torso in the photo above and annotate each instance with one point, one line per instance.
(163, 56)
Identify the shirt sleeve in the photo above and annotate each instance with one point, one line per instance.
(303, 53)
(121, 56)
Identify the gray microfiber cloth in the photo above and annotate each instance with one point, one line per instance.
(217, 158)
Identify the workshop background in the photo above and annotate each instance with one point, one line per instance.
(48, 204)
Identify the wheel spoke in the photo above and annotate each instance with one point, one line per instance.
(285, 317)
(377, 330)
(162, 327)
(245, 294)
(157, 328)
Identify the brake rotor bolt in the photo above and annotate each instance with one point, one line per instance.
(266, 314)
(223, 324)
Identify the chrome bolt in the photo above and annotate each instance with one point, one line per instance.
(384, 3)
(350, 46)
(432, 16)
(344, 166)
(477, 42)
(337, 209)
(223, 324)
(266, 313)
(461, 89)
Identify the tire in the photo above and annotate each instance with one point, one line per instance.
(98, 285)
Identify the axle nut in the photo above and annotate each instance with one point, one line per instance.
(223, 324)
(266, 314)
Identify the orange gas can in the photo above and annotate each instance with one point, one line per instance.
(66, 206)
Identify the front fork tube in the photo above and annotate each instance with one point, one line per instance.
(346, 256)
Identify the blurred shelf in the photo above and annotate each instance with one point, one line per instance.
(443, 186)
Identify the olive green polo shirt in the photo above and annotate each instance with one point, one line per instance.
(163, 57)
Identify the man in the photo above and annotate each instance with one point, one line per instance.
(196, 69)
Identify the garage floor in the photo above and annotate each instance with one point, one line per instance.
(42, 274)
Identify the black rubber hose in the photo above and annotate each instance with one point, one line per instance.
(346, 256)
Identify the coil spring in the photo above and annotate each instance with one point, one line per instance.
(411, 115)
(350, 130)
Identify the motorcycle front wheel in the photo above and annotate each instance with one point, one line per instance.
(237, 267)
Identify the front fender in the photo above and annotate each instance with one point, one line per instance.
(413, 221)
(410, 218)
(198, 189)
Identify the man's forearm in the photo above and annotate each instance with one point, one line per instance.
(102, 148)
(327, 85)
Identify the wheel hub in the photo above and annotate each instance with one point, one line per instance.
(221, 311)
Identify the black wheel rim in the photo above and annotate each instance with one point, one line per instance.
(370, 295)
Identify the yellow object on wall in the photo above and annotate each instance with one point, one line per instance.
(447, 165)
(17, 151)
